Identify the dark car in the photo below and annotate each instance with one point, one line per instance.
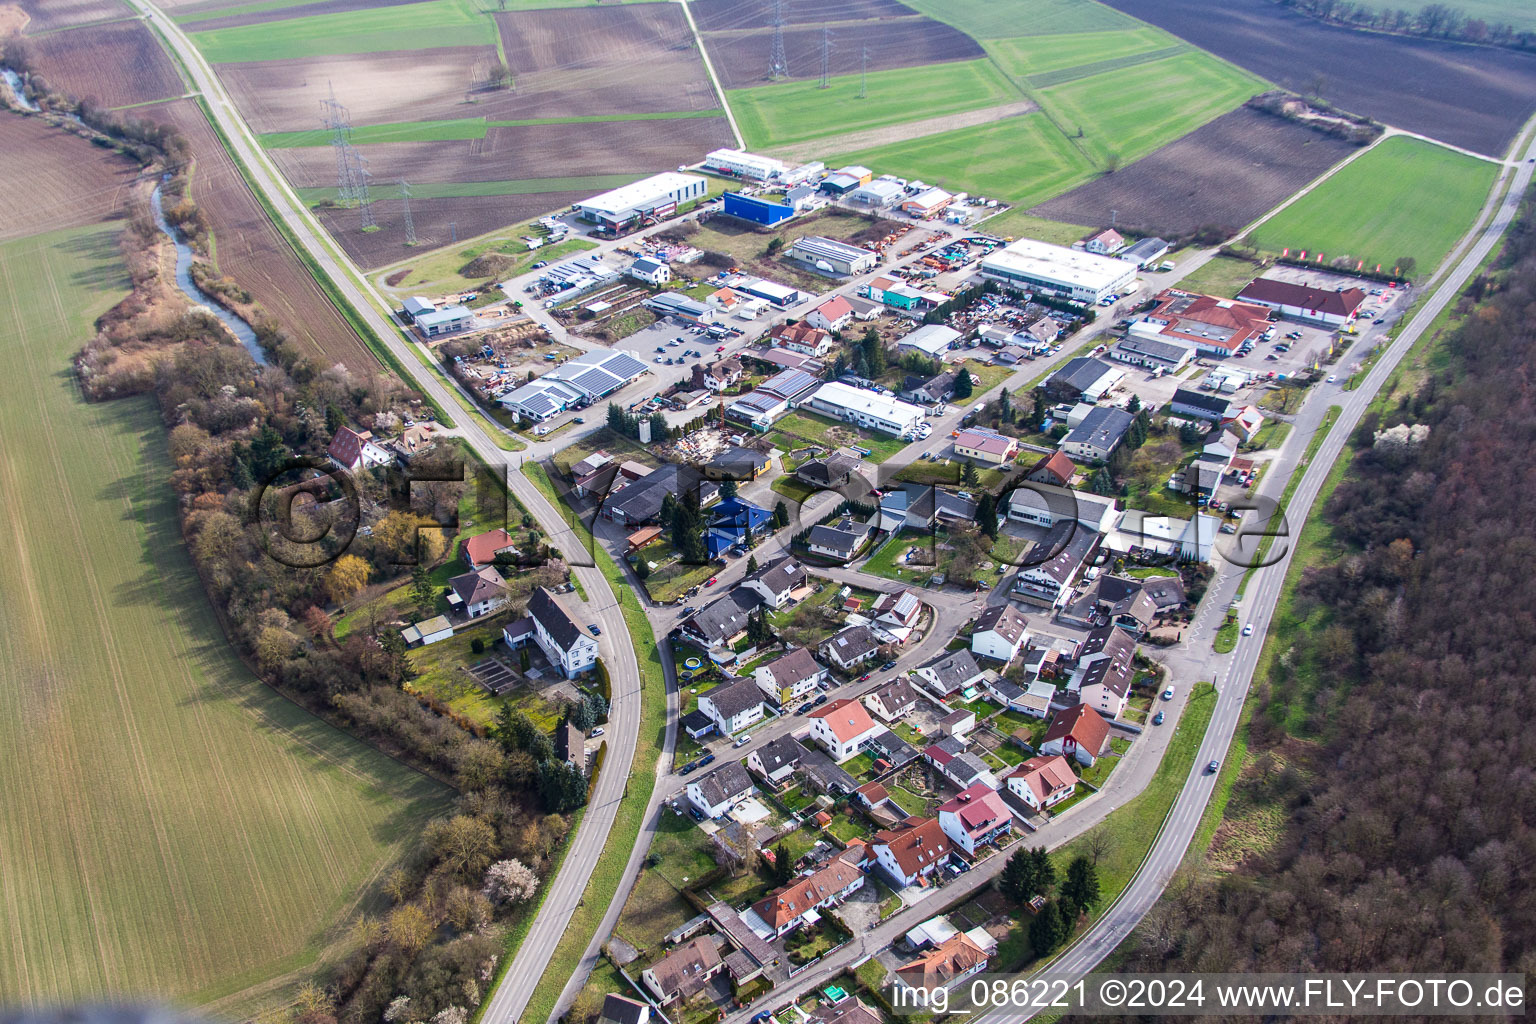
(762, 1017)
(685, 769)
(706, 759)
(1379, 320)
(803, 708)
(1157, 719)
(689, 610)
(596, 629)
(823, 699)
(695, 814)
(1210, 769)
(887, 666)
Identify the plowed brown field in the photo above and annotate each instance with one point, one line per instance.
(47, 15)
(741, 58)
(116, 64)
(254, 253)
(67, 183)
(1227, 173)
(435, 221)
(284, 13)
(721, 15)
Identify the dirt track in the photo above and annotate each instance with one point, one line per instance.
(741, 58)
(63, 189)
(1226, 173)
(906, 131)
(252, 251)
(1471, 96)
(116, 64)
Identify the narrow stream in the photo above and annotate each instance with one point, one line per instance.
(238, 327)
(13, 80)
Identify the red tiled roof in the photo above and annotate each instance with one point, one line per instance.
(1058, 465)
(347, 446)
(800, 333)
(1085, 726)
(1044, 776)
(780, 908)
(978, 807)
(916, 844)
(835, 308)
(951, 959)
(846, 718)
(1285, 293)
(481, 549)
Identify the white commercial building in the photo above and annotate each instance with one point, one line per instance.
(877, 193)
(745, 165)
(578, 382)
(1029, 265)
(657, 196)
(866, 409)
(932, 340)
(832, 256)
(444, 321)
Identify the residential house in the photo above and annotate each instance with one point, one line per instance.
(428, 631)
(784, 910)
(958, 723)
(650, 271)
(479, 593)
(1049, 583)
(571, 745)
(684, 972)
(619, 1009)
(717, 376)
(414, 440)
(788, 679)
(975, 817)
(818, 773)
(892, 700)
(721, 623)
(355, 449)
(947, 964)
(563, 642)
(1168, 353)
(803, 338)
(851, 647)
(842, 728)
(1147, 250)
(777, 760)
(892, 749)
(849, 1011)
(921, 506)
(911, 851)
(733, 524)
(1042, 782)
(1037, 699)
(832, 315)
(829, 473)
(779, 583)
(898, 610)
(481, 550)
(1245, 422)
(721, 789)
(1079, 732)
(1042, 332)
(641, 502)
(1054, 469)
(964, 769)
(1000, 631)
(1098, 435)
(1006, 692)
(839, 543)
(1107, 662)
(986, 446)
(737, 463)
(1104, 243)
(733, 706)
(925, 390)
(1047, 505)
(954, 673)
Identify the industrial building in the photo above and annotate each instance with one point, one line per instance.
(931, 340)
(1214, 326)
(780, 295)
(1028, 265)
(761, 408)
(1332, 307)
(845, 179)
(832, 256)
(1148, 250)
(927, 203)
(415, 306)
(866, 409)
(1167, 354)
(579, 272)
(742, 164)
(1098, 435)
(577, 383)
(681, 306)
(444, 321)
(649, 199)
(879, 194)
(756, 209)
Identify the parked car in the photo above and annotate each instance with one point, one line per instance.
(706, 759)
(595, 628)
(598, 731)
(1157, 719)
(1168, 694)
(743, 741)
(887, 666)
(712, 581)
(1379, 320)
(1332, 378)
(689, 767)
(819, 701)
(696, 814)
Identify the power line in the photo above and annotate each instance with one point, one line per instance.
(778, 63)
(364, 203)
(826, 58)
(864, 74)
(410, 226)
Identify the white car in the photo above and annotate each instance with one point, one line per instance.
(1332, 378)
(1168, 694)
(924, 433)
(1248, 629)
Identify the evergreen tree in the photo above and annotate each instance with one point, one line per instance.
(562, 788)
(1190, 433)
(268, 453)
(1134, 405)
(874, 353)
(839, 366)
(1101, 482)
(643, 568)
(1081, 889)
(421, 591)
(783, 865)
(1044, 931)
(615, 417)
(1017, 882)
(1005, 407)
(1037, 414)
(659, 428)
(728, 490)
(780, 515)
(1045, 871)
(968, 475)
(986, 515)
(963, 386)
(240, 470)
(751, 564)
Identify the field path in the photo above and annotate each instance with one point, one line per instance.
(872, 138)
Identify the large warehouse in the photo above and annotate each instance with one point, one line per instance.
(657, 196)
(745, 165)
(832, 256)
(866, 409)
(577, 383)
(1029, 265)
(757, 210)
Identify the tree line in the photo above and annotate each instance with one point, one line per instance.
(1431, 21)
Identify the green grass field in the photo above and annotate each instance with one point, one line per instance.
(1403, 198)
(454, 129)
(1024, 160)
(1005, 19)
(407, 27)
(798, 110)
(1025, 55)
(1135, 110)
(193, 17)
(182, 832)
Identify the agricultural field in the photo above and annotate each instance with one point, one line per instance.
(420, 26)
(740, 57)
(1475, 97)
(185, 834)
(725, 15)
(118, 64)
(249, 248)
(1229, 172)
(1406, 197)
(1007, 19)
(47, 15)
(798, 110)
(1128, 113)
(1027, 56)
(63, 190)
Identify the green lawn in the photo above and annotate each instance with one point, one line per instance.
(1024, 160)
(1223, 276)
(1226, 636)
(1001, 19)
(889, 562)
(799, 110)
(1132, 111)
(808, 426)
(1403, 198)
(182, 829)
(1025, 56)
(1016, 223)
(454, 129)
(370, 30)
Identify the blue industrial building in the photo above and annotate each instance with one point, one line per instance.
(758, 211)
